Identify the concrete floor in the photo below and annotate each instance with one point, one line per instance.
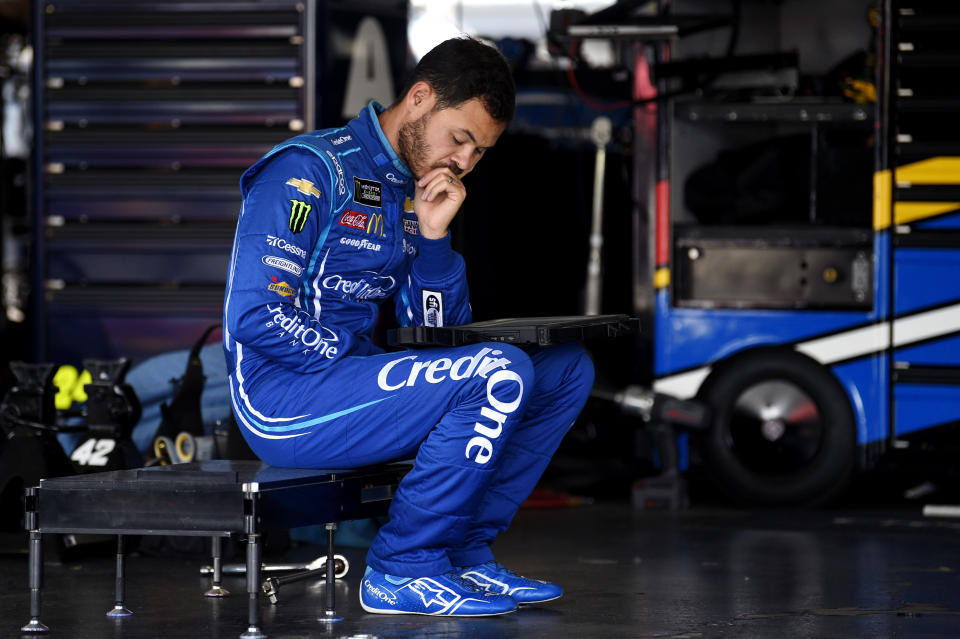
(705, 572)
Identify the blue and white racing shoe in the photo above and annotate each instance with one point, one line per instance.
(438, 595)
(494, 578)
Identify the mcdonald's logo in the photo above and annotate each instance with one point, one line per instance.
(299, 212)
(375, 224)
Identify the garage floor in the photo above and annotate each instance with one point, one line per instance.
(710, 571)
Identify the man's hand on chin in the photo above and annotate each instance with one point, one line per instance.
(439, 194)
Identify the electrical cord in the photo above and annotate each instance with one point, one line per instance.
(16, 420)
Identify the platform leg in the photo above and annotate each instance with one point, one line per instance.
(119, 610)
(330, 614)
(215, 550)
(253, 588)
(36, 583)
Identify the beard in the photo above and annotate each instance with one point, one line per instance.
(414, 150)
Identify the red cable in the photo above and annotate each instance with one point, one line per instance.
(572, 78)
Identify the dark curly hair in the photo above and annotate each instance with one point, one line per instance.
(461, 69)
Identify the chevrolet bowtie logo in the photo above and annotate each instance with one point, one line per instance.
(304, 186)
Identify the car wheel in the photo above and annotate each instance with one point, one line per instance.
(783, 431)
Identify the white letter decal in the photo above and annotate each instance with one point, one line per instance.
(498, 377)
(485, 452)
(441, 364)
(382, 377)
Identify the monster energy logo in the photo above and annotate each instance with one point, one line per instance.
(299, 212)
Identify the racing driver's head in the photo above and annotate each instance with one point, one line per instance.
(457, 102)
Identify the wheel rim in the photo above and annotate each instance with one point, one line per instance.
(775, 428)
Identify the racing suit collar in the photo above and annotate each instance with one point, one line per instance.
(387, 163)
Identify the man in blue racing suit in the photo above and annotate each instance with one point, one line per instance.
(334, 222)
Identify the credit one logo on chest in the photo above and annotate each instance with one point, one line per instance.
(485, 362)
(371, 286)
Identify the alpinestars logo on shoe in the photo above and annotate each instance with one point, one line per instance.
(436, 598)
(487, 584)
(433, 593)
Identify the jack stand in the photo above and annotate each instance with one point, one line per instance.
(668, 490)
(330, 614)
(216, 590)
(119, 609)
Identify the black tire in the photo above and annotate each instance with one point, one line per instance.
(783, 431)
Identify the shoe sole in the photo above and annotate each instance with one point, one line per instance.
(538, 601)
(380, 611)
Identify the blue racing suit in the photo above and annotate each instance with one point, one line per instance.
(327, 232)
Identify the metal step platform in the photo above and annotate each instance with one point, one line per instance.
(217, 499)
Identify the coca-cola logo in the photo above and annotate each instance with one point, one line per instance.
(354, 220)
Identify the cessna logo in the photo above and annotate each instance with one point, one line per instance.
(284, 245)
(304, 186)
(299, 212)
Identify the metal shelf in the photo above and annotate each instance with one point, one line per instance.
(146, 114)
(796, 111)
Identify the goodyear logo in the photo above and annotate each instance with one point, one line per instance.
(299, 212)
(304, 186)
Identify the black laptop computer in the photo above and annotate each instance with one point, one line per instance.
(542, 331)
